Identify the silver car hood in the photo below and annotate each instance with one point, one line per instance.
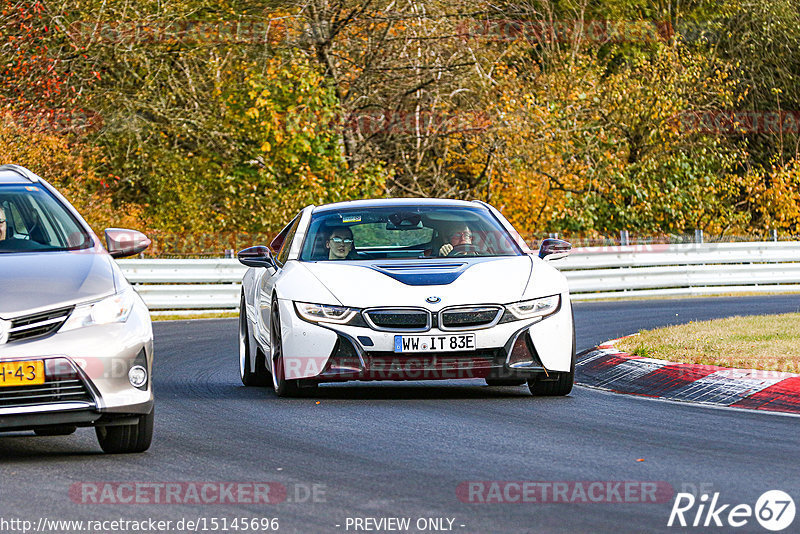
(30, 283)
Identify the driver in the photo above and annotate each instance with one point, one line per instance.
(458, 234)
(340, 243)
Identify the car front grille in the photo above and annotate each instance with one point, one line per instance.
(469, 317)
(37, 325)
(62, 384)
(399, 319)
(48, 393)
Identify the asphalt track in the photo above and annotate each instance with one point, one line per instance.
(403, 449)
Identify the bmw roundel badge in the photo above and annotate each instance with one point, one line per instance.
(433, 300)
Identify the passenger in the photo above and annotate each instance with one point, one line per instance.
(3, 224)
(340, 243)
(458, 234)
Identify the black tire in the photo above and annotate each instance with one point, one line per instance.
(57, 430)
(127, 438)
(282, 386)
(558, 384)
(504, 381)
(259, 377)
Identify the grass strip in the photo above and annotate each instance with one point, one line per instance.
(767, 342)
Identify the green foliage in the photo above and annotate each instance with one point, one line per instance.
(290, 151)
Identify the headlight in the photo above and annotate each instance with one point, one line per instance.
(528, 309)
(325, 313)
(113, 309)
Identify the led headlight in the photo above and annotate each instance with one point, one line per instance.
(528, 309)
(113, 309)
(325, 313)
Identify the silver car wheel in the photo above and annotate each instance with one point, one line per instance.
(242, 345)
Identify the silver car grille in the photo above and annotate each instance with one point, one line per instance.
(62, 384)
(399, 319)
(54, 392)
(37, 325)
(468, 317)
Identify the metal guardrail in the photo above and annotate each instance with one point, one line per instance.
(186, 284)
(593, 273)
(682, 270)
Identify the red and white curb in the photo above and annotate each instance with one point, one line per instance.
(608, 368)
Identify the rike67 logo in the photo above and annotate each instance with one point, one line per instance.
(774, 510)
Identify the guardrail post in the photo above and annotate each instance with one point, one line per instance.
(623, 238)
(773, 235)
(228, 253)
(698, 236)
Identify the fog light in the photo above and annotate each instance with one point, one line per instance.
(137, 376)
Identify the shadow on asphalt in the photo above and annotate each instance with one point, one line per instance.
(225, 391)
(391, 391)
(27, 446)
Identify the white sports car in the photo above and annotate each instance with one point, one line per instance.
(404, 289)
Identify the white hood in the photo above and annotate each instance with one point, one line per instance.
(477, 281)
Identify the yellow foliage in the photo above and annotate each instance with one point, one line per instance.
(68, 166)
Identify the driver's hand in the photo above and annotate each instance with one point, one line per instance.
(446, 249)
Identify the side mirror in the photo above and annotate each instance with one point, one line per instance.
(122, 243)
(259, 256)
(554, 249)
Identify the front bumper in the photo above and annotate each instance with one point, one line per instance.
(518, 349)
(86, 375)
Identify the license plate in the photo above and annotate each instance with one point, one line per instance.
(28, 373)
(440, 343)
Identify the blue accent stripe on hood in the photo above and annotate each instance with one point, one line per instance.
(423, 274)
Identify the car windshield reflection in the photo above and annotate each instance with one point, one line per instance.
(32, 220)
(409, 232)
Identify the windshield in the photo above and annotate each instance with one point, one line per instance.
(32, 220)
(405, 232)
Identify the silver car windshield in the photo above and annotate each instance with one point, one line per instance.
(405, 232)
(32, 220)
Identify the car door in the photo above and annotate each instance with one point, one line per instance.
(283, 242)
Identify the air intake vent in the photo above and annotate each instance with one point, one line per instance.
(423, 274)
(62, 384)
(399, 319)
(469, 317)
(37, 325)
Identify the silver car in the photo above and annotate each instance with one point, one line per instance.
(76, 342)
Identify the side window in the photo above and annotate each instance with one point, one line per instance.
(20, 229)
(283, 255)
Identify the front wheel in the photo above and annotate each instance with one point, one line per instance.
(558, 387)
(259, 377)
(127, 438)
(282, 386)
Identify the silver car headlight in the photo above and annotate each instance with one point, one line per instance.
(114, 309)
(325, 313)
(541, 307)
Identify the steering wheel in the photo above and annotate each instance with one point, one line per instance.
(464, 249)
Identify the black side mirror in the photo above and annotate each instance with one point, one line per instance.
(122, 243)
(259, 256)
(554, 249)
